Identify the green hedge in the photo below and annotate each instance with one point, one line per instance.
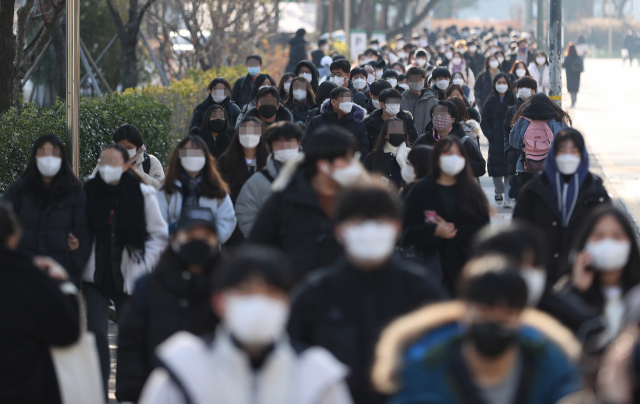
(99, 118)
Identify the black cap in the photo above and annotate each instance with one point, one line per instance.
(194, 216)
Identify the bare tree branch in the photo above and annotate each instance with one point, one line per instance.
(115, 16)
(416, 20)
(23, 13)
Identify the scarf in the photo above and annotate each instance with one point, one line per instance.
(191, 188)
(400, 153)
(122, 203)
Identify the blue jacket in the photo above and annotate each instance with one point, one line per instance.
(516, 137)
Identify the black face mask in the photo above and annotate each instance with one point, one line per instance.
(492, 339)
(395, 140)
(196, 252)
(267, 111)
(216, 125)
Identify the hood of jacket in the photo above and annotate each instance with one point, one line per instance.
(282, 114)
(475, 127)
(357, 113)
(406, 330)
(540, 112)
(314, 72)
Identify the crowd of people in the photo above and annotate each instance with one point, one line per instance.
(324, 239)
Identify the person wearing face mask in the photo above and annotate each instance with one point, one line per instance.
(484, 344)
(375, 89)
(446, 56)
(324, 70)
(368, 224)
(285, 85)
(262, 81)
(359, 80)
(243, 87)
(492, 124)
(51, 207)
(459, 65)
(341, 76)
(389, 101)
(466, 94)
(308, 71)
(518, 71)
(174, 297)
(283, 142)
(215, 130)
(268, 108)
(389, 156)
(484, 83)
(423, 60)
(129, 233)
(440, 79)
(339, 109)
(539, 70)
(300, 101)
(522, 54)
(318, 54)
(193, 180)
(418, 101)
(298, 50)
(416, 169)
(219, 94)
(559, 199)
(297, 217)
(324, 90)
(370, 71)
(474, 58)
(444, 211)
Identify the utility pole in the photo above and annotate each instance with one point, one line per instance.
(347, 27)
(609, 9)
(555, 52)
(540, 30)
(73, 84)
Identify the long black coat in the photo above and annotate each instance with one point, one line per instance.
(385, 165)
(537, 205)
(242, 89)
(46, 228)
(492, 124)
(512, 154)
(198, 112)
(166, 301)
(573, 65)
(217, 146)
(35, 314)
(344, 309)
(482, 88)
(293, 221)
(453, 253)
(373, 123)
(297, 52)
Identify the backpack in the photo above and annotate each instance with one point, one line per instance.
(537, 142)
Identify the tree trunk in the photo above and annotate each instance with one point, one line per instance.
(7, 54)
(128, 43)
(415, 21)
(58, 40)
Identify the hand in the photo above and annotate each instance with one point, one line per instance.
(444, 229)
(51, 268)
(73, 242)
(582, 277)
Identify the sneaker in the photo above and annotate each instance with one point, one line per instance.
(508, 204)
(499, 199)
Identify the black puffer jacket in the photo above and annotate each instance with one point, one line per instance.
(46, 225)
(242, 89)
(492, 124)
(511, 153)
(168, 300)
(293, 221)
(358, 97)
(373, 123)
(537, 205)
(482, 88)
(198, 113)
(282, 114)
(384, 164)
(297, 52)
(217, 146)
(314, 73)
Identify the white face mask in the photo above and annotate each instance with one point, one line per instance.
(306, 76)
(264, 86)
(346, 107)
(442, 84)
(408, 173)
(393, 82)
(401, 54)
(48, 166)
(376, 103)
(536, 280)
(249, 141)
(359, 84)
(338, 81)
(421, 61)
(568, 163)
(370, 240)
(370, 78)
(458, 81)
(448, 55)
(285, 155)
(540, 60)
(404, 85)
(299, 95)
(344, 176)
(193, 164)
(452, 164)
(378, 74)
(255, 319)
(392, 109)
(502, 88)
(132, 153)
(524, 93)
(218, 95)
(520, 72)
(416, 85)
(500, 59)
(494, 64)
(473, 48)
(110, 174)
(608, 254)
(456, 61)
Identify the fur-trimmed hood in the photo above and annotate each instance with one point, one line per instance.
(475, 127)
(406, 330)
(357, 113)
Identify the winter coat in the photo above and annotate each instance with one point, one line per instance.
(282, 114)
(419, 358)
(156, 242)
(313, 112)
(353, 122)
(294, 221)
(168, 300)
(573, 66)
(419, 107)
(466, 71)
(198, 113)
(297, 52)
(483, 88)
(374, 121)
(492, 124)
(37, 312)
(369, 106)
(537, 205)
(222, 208)
(46, 228)
(242, 89)
(300, 113)
(543, 82)
(475, 62)
(254, 194)
(218, 145)
(388, 167)
(512, 154)
(314, 73)
(359, 98)
(452, 253)
(316, 57)
(343, 309)
(155, 177)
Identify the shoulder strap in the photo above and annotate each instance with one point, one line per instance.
(146, 163)
(267, 175)
(465, 138)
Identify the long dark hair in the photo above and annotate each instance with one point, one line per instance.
(213, 186)
(462, 107)
(63, 182)
(571, 50)
(508, 80)
(419, 159)
(257, 83)
(204, 128)
(518, 63)
(217, 81)
(234, 167)
(311, 97)
(472, 201)
(542, 98)
(324, 90)
(284, 94)
(378, 151)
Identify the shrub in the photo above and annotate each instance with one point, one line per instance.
(99, 118)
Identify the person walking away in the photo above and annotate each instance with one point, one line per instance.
(51, 207)
(369, 287)
(301, 100)
(560, 198)
(628, 47)
(492, 124)
(389, 155)
(539, 70)
(194, 180)
(243, 87)
(129, 234)
(174, 297)
(416, 169)
(219, 94)
(215, 130)
(573, 66)
(444, 211)
(417, 101)
(484, 83)
(318, 54)
(298, 49)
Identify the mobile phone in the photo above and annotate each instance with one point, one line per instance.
(430, 216)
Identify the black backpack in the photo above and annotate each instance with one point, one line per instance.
(146, 164)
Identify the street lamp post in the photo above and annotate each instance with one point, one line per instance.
(609, 9)
(555, 52)
(73, 84)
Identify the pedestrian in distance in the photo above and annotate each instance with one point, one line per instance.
(129, 233)
(243, 87)
(341, 76)
(389, 156)
(301, 100)
(471, 127)
(250, 357)
(539, 70)
(467, 92)
(416, 169)
(308, 71)
(417, 101)
(51, 207)
(318, 54)
(519, 70)
(262, 81)
(298, 49)
(474, 59)
(219, 94)
(359, 80)
(215, 130)
(459, 65)
(440, 80)
(484, 84)
(573, 66)
(522, 54)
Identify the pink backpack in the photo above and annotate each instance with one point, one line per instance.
(537, 141)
